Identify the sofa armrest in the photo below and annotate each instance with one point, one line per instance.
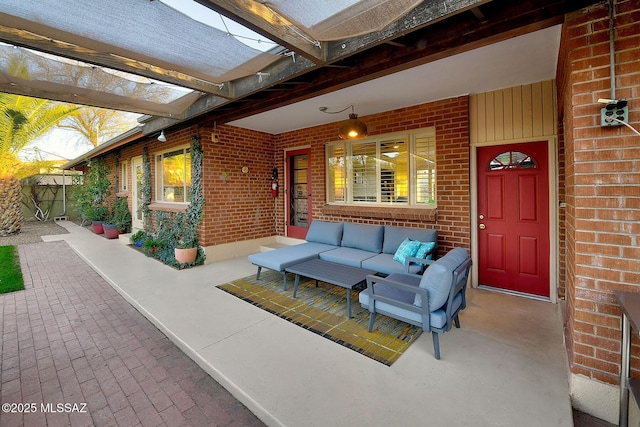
(413, 260)
(373, 297)
(423, 261)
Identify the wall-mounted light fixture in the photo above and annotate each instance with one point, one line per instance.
(161, 137)
(214, 136)
(352, 128)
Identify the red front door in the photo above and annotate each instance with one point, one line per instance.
(513, 217)
(298, 193)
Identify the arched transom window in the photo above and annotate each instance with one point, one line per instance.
(512, 160)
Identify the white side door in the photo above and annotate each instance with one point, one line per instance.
(136, 202)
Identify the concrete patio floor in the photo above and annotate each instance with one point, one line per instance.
(506, 366)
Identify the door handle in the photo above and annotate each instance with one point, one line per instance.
(482, 226)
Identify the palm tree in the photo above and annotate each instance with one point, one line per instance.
(22, 119)
(98, 124)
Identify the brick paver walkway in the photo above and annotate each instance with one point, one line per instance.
(69, 339)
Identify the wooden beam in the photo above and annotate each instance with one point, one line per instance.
(478, 14)
(258, 17)
(44, 44)
(81, 97)
(427, 13)
(276, 73)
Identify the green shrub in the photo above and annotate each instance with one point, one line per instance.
(138, 236)
(121, 215)
(91, 197)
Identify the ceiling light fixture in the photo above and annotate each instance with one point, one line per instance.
(161, 137)
(352, 128)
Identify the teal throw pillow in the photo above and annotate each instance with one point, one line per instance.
(407, 248)
(426, 248)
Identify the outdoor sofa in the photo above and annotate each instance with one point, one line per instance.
(372, 247)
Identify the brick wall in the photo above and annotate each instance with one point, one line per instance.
(602, 185)
(450, 118)
(239, 205)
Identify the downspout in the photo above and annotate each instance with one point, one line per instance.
(612, 63)
(64, 194)
(612, 49)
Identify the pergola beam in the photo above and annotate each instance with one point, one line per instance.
(275, 74)
(110, 101)
(425, 14)
(66, 50)
(260, 18)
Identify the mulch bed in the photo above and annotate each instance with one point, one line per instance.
(32, 232)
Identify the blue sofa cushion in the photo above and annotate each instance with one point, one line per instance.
(347, 256)
(437, 278)
(437, 318)
(408, 248)
(365, 237)
(392, 292)
(394, 236)
(425, 248)
(279, 259)
(329, 233)
(384, 263)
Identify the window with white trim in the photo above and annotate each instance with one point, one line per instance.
(397, 169)
(173, 176)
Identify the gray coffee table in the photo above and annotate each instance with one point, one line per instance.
(330, 272)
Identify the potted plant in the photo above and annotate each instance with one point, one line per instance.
(110, 229)
(91, 197)
(97, 215)
(122, 215)
(151, 246)
(186, 249)
(138, 238)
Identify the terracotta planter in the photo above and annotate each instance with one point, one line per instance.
(97, 227)
(110, 231)
(187, 255)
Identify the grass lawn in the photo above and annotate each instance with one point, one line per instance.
(10, 273)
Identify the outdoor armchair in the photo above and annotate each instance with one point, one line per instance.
(431, 301)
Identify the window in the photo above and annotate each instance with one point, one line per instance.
(388, 169)
(124, 176)
(512, 160)
(173, 176)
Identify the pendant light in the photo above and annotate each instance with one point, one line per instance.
(352, 128)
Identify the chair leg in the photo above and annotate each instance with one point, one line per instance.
(284, 278)
(456, 320)
(372, 319)
(258, 275)
(436, 345)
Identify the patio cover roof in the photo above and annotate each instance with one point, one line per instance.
(147, 56)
